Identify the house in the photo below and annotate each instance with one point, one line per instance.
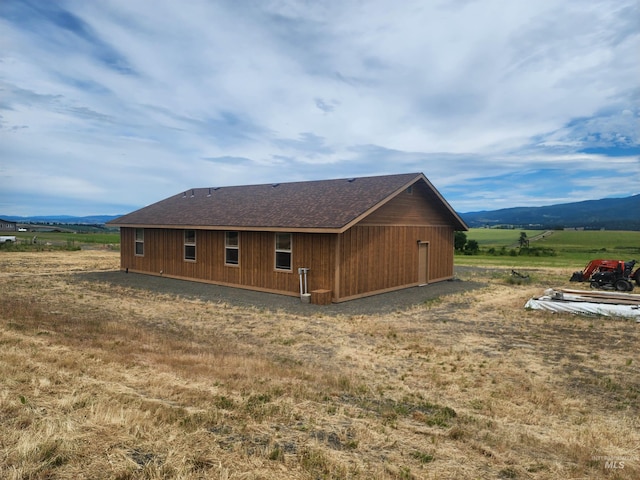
(8, 226)
(356, 236)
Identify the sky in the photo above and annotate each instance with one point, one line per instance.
(108, 106)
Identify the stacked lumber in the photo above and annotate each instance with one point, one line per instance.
(598, 296)
(588, 302)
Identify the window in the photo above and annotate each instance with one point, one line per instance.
(283, 251)
(140, 241)
(231, 248)
(189, 244)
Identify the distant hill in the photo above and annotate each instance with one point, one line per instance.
(62, 219)
(607, 213)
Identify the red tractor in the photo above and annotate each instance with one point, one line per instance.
(609, 274)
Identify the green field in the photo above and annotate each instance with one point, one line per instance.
(79, 238)
(61, 240)
(562, 248)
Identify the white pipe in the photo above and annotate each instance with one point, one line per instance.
(300, 274)
(303, 287)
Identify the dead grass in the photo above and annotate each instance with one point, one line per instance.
(106, 382)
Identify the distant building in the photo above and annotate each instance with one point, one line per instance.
(8, 226)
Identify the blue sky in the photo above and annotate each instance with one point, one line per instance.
(107, 106)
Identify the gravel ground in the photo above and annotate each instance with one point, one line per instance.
(376, 304)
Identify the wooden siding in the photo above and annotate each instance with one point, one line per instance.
(420, 207)
(381, 253)
(164, 255)
(383, 258)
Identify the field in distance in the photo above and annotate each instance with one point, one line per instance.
(25, 240)
(559, 248)
(104, 381)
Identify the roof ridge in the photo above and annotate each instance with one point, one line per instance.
(305, 181)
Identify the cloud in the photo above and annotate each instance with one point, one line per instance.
(496, 101)
(326, 106)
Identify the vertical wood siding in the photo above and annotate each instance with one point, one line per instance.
(420, 207)
(378, 258)
(381, 252)
(164, 252)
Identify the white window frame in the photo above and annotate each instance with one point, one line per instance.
(228, 247)
(281, 250)
(138, 240)
(189, 244)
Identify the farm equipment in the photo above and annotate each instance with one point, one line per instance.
(609, 275)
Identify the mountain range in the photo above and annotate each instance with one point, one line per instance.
(607, 213)
(62, 219)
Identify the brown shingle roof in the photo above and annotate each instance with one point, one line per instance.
(317, 205)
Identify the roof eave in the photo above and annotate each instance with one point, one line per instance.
(233, 228)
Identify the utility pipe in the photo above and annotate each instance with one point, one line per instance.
(303, 283)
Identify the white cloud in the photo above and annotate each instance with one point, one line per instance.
(134, 101)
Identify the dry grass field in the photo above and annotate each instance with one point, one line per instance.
(106, 382)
